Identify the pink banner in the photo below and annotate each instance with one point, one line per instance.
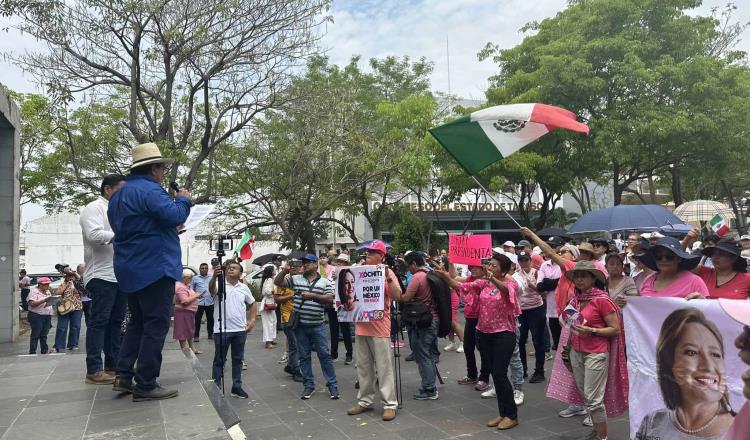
(469, 249)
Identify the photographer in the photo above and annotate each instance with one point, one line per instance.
(232, 328)
(69, 311)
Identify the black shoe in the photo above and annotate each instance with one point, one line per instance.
(334, 393)
(348, 360)
(122, 385)
(298, 378)
(239, 393)
(410, 358)
(356, 385)
(308, 393)
(537, 377)
(525, 374)
(288, 370)
(157, 393)
(196, 340)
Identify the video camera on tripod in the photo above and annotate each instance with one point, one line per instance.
(220, 245)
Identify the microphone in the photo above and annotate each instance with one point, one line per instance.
(174, 186)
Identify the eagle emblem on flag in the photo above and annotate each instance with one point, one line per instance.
(509, 125)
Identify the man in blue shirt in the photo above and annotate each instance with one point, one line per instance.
(147, 263)
(205, 303)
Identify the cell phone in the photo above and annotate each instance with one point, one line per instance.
(485, 261)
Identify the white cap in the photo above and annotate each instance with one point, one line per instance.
(509, 243)
(697, 246)
(498, 250)
(745, 237)
(537, 250)
(650, 235)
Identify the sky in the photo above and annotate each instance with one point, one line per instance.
(417, 28)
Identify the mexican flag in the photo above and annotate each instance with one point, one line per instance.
(245, 246)
(488, 135)
(718, 225)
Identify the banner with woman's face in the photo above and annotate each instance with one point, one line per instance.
(360, 293)
(684, 369)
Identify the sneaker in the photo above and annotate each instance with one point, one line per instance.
(453, 346)
(308, 393)
(549, 356)
(410, 358)
(572, 411)
(244, 366)
(239, 393)
(537, 377)
(426, 395)
(333, 393)
(100, 378)
(298, 378)
(466, 381)
(481, 385)
(587, 421)
(489, 394)
(284, 358)
(518, 397)
(348, 360)
(460, 348)
(122, 385)
(157, 393)
(358, 409)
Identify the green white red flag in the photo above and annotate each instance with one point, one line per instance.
(719, 225)
(245, 246)
(488, 135)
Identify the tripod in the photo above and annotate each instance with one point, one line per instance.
(396, 316)
(222, 291)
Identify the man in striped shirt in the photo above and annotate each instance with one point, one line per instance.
(312, 294)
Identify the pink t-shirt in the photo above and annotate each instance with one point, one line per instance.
(497, 311)
(593, 314)
(421, 286)
(182, 293)
(740, 429)
(44, 308)
(565, 287)
(736, 288)
(685, 284)
(471, 309)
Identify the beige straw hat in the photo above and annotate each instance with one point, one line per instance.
(146, 154)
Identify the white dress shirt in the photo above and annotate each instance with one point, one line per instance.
(97, 242)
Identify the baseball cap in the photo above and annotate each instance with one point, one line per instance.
(509, 243)
(523, 255)
(310, 257)
(343, 257)
(498, 250)
(737, 309)
(555, 241)
(524, 243)
(745, 237)
(377, 246)
(43, 280)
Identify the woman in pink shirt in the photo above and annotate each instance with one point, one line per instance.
(496, 297)
(480, 379)
(673, 276)
(185, 306)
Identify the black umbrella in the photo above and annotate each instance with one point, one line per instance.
(265, 259)
(553, 232)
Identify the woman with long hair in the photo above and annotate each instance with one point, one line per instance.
(497, 303)
(268, 307)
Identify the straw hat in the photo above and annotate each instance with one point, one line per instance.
(587, 266)
(147, 154)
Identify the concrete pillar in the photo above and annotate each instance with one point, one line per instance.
(10, 216)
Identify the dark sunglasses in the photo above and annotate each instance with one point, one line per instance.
(668, 256)
(598, 245)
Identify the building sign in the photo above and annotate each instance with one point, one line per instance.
(462, 206)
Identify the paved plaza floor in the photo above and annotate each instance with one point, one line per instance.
(45, 397)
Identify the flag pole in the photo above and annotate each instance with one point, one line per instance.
(487, 193)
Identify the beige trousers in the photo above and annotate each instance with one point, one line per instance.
(590, 371)
(375, 361)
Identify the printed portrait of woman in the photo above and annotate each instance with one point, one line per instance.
(692, 378)
(347, 296)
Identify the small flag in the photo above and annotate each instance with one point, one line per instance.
(488, 135)
(718, 225)
(245, 245)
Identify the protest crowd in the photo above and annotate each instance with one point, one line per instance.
(566, 295)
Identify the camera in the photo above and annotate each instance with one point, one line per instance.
(61, 267)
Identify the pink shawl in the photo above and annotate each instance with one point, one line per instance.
(562, 384)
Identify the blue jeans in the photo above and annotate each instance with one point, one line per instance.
(40, 325)
(236, 340)
(292, 354)
(150, 315)
(314, 338)
(73, 321)
(108, 305)
(422, 341)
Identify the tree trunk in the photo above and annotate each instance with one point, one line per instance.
(651, 189)
(739, 215)
(676, 185)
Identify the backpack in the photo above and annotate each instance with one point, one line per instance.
(441, 297)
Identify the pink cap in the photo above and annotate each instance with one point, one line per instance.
(377, 246)
(737, 309)
(43, 280)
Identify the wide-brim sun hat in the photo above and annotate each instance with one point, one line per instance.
(688, 261)
(572, 249)
(586, 266)
(731, 247)
(147, 154)
(586, 247)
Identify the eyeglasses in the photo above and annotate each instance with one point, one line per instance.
(667, 256)
(596, 245)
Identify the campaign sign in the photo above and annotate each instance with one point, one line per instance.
(469, 249)
(360, 293)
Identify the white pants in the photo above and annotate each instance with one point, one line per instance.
(375, 361)
(269, 325)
